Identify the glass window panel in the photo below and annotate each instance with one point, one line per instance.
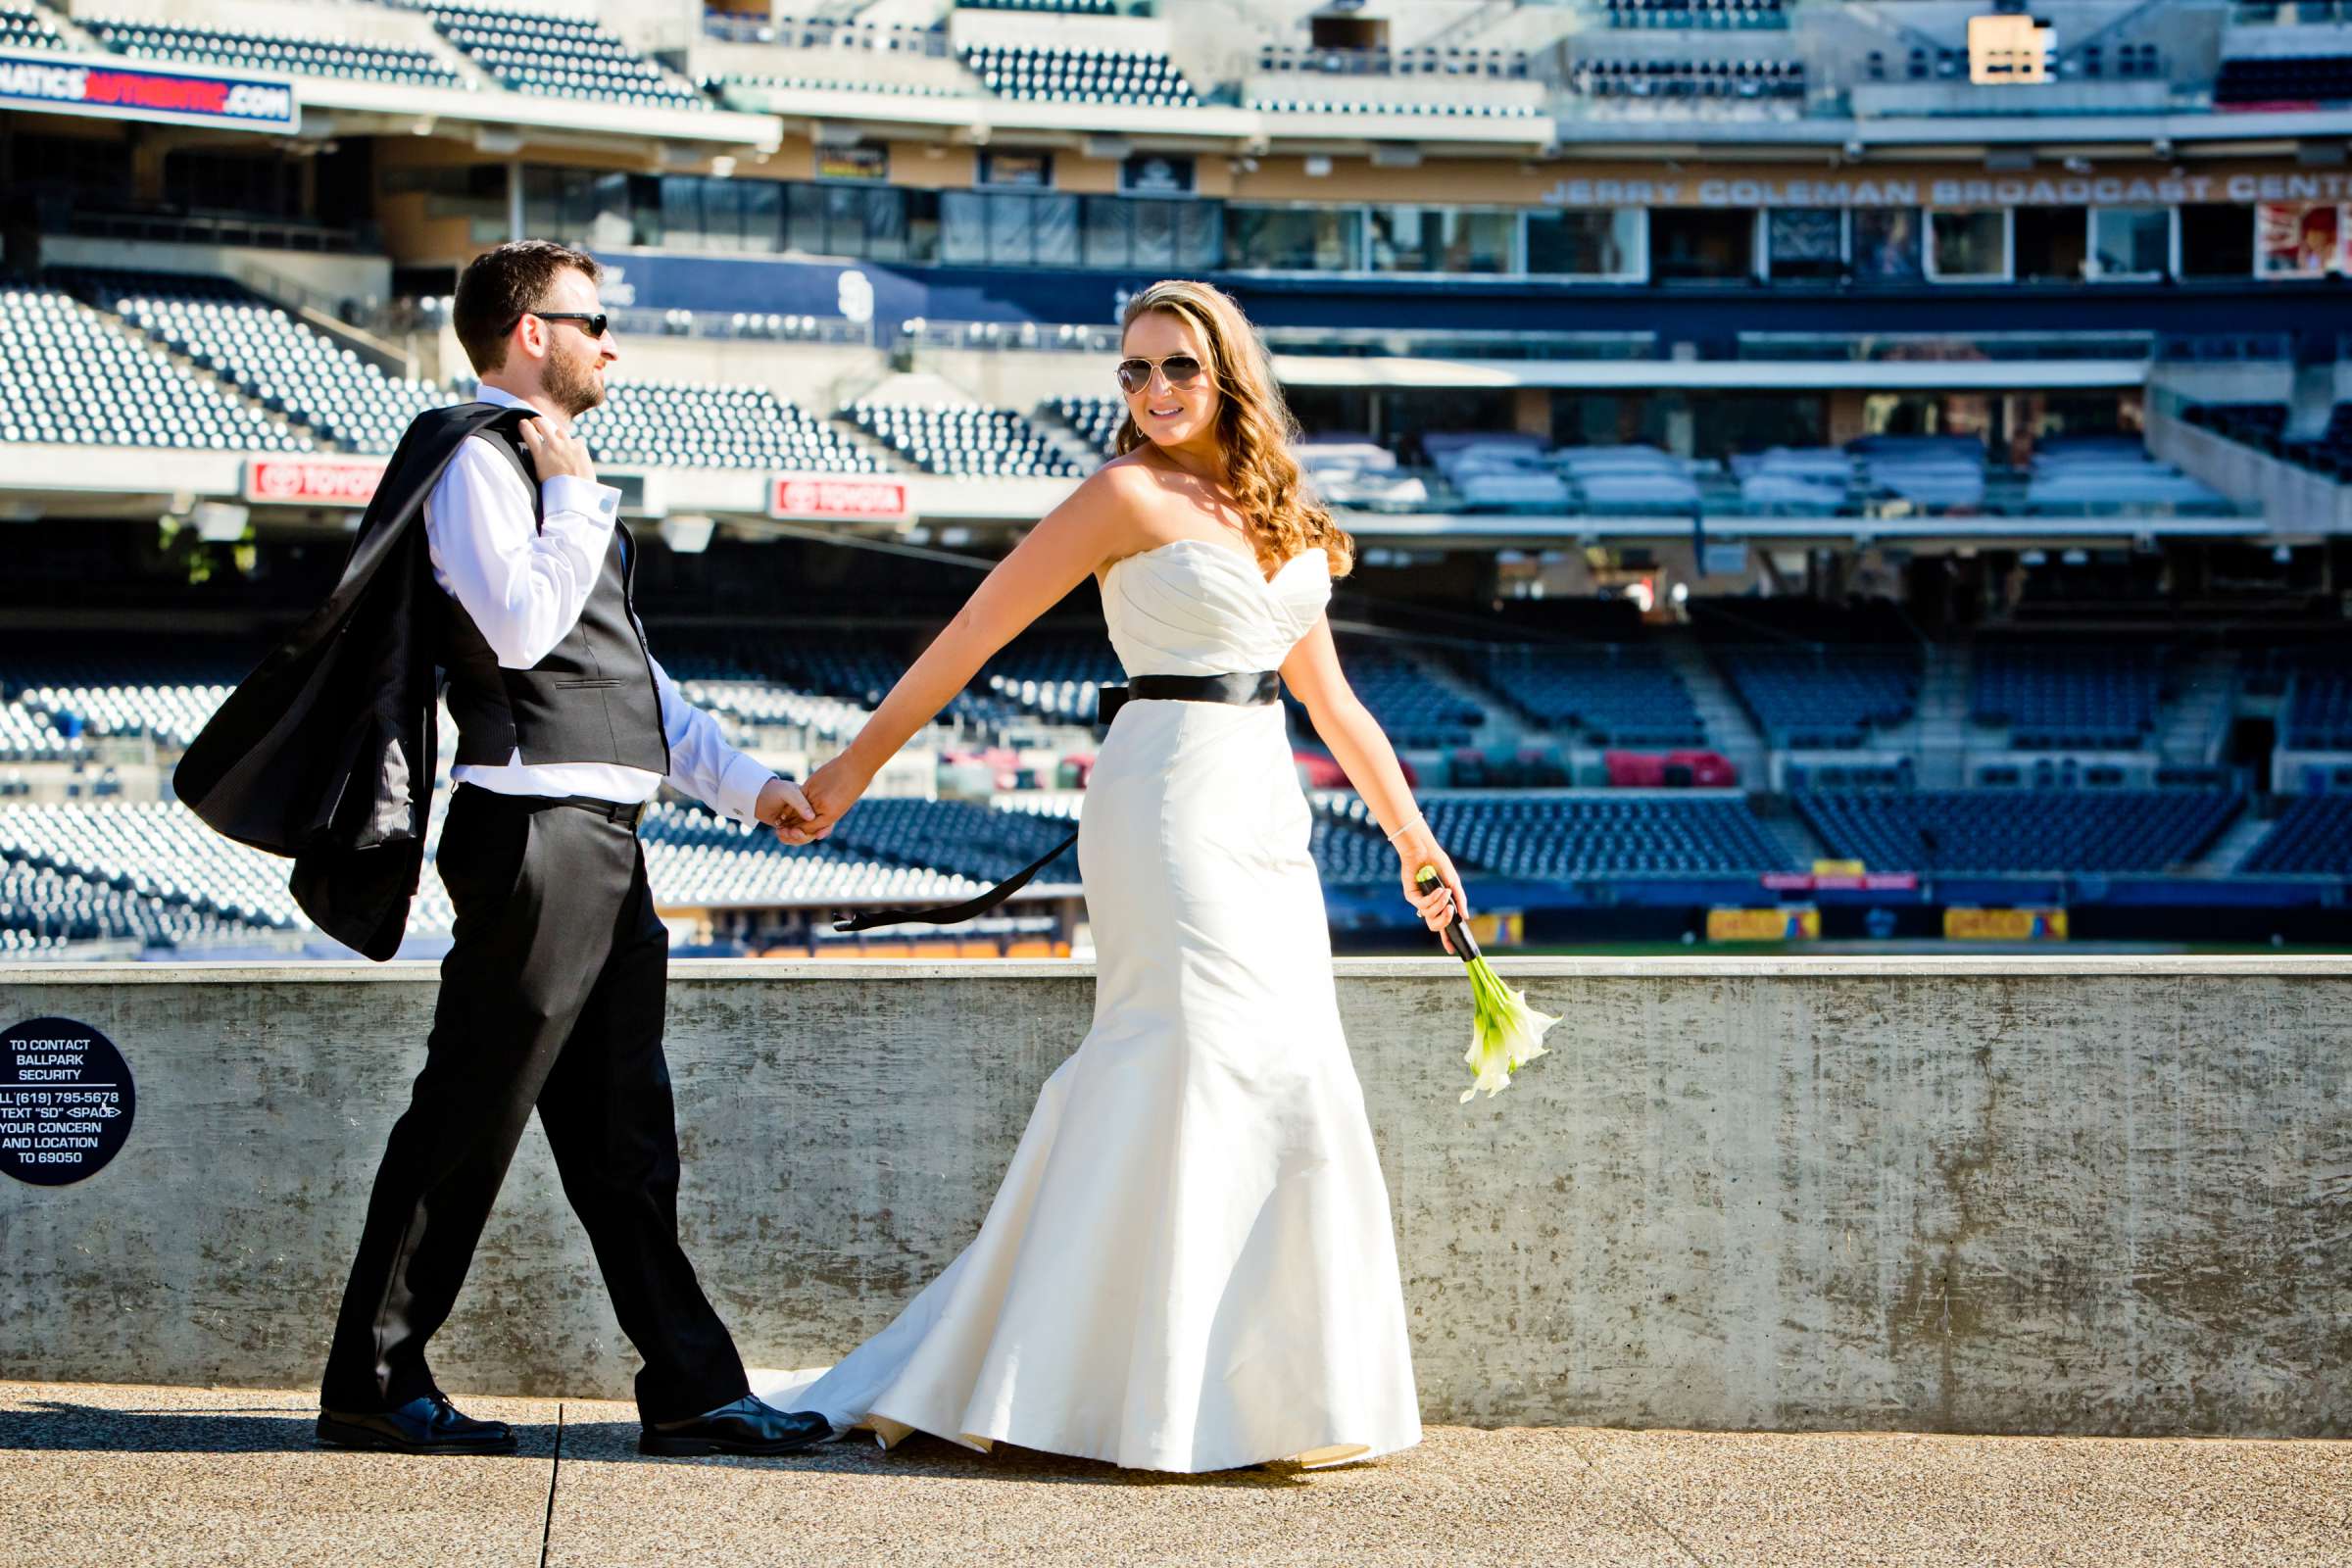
(763, 215)
(1804, 241)
(1586, 242)
(1106, 219)
(1057, 222)
(1294, 239)
(1887, 244)
(722, 215)
(1200, 235)
(1970, 243)
(682, 211)
(845, 219)
(1439, 239)
(1154, 235)
(918, 211)
(804, 218)
(1012, 229)
(962, 228)
(2131, 241)
(884, 237)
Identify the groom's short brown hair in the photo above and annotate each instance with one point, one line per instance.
(500, 285)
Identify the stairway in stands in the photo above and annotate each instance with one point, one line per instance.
(2247, 829)
(1729, 729)
(2190, 729)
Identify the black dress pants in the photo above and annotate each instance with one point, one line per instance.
(551, 997)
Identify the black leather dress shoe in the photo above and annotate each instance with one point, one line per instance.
(426, 1424)
(747, 1426)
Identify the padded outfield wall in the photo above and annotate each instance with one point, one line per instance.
(2069, 1195)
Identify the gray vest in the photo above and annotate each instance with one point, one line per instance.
(590, 700)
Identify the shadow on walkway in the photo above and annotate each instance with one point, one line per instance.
(54, 1426)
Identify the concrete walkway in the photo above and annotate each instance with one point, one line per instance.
(103, 1474)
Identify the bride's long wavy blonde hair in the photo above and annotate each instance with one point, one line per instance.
(1254, 428)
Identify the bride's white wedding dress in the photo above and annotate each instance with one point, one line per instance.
(1189, 1265)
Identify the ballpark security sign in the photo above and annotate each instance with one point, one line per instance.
(79, 84)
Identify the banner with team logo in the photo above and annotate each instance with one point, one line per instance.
(78, 85)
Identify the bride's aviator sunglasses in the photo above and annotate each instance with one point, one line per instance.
(1181, 369)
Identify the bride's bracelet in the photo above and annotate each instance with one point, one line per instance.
(1407, 825)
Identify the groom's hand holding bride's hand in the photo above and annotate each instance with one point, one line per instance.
(782, 806)
(827, 796)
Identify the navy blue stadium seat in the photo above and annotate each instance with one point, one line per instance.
(2018, 830)
(2312, 837)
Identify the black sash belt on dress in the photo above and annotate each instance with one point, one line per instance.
(1248, 690)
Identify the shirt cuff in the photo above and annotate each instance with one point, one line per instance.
(569, 492)
(739, 787)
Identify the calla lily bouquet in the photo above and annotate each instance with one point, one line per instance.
(1506, 1034)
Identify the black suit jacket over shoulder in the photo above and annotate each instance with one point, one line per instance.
(326, 752)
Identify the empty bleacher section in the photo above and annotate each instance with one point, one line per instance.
(265, 353)
(1555, 837)
(2284, 79)
(965, 440)
(1096, 420)
(2319, 710)
(2312, 835)
(562, 57)
(2053, 697)
(66, 377)
(692, 858)
(1689, 82)
(1814, 676)
(1063, 8)
(1696, 13)
(308, 56)
(1429, 61)
(1417, 711)
(24, 27)
(1997, 830)
(1613, 693)
(2264, 425)
(713, 427)
(1082, 75)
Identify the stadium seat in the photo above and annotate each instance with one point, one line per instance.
(965, 440)
(2284, 79)
(560, 57)
(24, 27)
(1617, 693)
(1558, 837)
(2312, 837)
(2055, 830)
(690, 425)
(299, 56)
(2059, 695)
(1081, 75)
(66, 377)
(284, 366)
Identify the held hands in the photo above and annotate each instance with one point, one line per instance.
(782, 806)
(1417, 847)
(555, 451)
(824, 799)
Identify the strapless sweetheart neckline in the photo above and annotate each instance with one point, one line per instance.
(1212, 544)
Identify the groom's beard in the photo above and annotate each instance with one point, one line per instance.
(573, 385)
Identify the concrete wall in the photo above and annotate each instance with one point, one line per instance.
(2016, 1194)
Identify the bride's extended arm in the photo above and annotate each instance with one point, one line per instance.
(1059, 552)
(1362, 750)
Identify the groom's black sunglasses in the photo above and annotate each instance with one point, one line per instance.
(1136, 375)
(592, 323)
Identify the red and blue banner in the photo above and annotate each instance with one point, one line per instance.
(76, 84)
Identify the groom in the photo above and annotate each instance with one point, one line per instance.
(492, 551)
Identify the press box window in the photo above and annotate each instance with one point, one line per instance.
(1440, 239)
(1605, 243)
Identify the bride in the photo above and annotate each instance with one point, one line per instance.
(1190, 1264)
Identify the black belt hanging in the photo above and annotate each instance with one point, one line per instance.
(1249, 691)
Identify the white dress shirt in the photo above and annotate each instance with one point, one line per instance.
(526, 591)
